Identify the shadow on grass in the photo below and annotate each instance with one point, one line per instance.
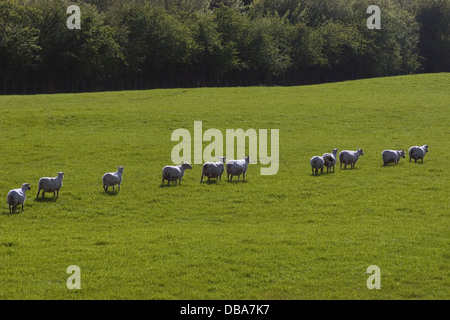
(237, 181)
(169, 185)
(212, 181)
(111, 192)
(44, 199)
(6, 212)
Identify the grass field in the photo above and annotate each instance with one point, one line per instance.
(287, 236)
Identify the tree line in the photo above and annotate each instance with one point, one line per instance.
(142, 44)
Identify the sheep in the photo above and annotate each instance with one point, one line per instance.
(113, 178)
(213, 169)
(349, 157)
(50, 185)
(174, 173)
(317, 163)
(330, 159)
(417, 153)
(237, 167)
(392, 156)
(17, 197)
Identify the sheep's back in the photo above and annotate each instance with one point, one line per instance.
(110, 179)
(416, 152)
(50, 184)
(15, 197)
(347, 157)
(235, 167)
(317, 162)
(329, 159)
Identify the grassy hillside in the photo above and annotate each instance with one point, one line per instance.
(287, 236)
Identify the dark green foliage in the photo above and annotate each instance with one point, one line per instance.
(142, 44)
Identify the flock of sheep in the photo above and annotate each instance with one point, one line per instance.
(350, 158)
(214, 170)
(17, 197)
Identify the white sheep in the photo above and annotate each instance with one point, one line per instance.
(113, 178)
(17, 197)
(392, 156)
(213, 169)
(330, 159)
(174, 173)
(317, 163)
(350, 157)
(237, 167)
(417, 153)
(50, 185)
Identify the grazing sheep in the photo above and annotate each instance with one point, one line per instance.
(17, 197)
(213, 169)
(111, 179)
(392, 156)
(317, 163)
(417, 153)
(330, 159)
(174, 173)
(50, 185)
(237, 167)
(350, 157)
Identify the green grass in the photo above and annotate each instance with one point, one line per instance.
(287, 236)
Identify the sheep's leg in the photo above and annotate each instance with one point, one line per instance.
(54, 194)
(57, 193)
(22, 207)
(119, 186)
(43, 193)
(38, 193)
(201, 180)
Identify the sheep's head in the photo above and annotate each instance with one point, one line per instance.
(402, 153)
(222, 159)
(335, 151)
(120, 169)
(361, 152)
(61, 175)
(186, 165)
(247, 159)
(425, 147)
(26, 186)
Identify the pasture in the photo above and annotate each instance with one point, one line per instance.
(286, 236)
